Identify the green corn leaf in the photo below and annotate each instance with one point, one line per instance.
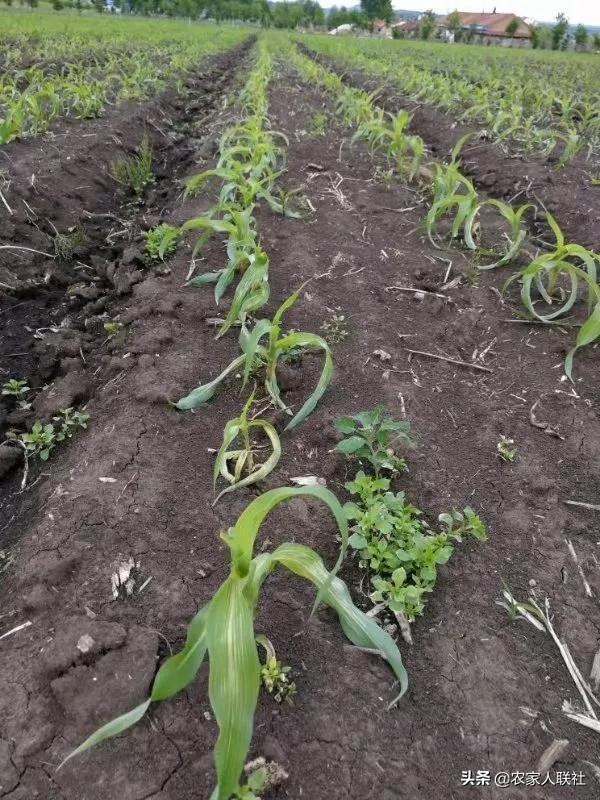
(297, 339)
(233, 682)
(241, 537)
(180, 669)
(203, 393)
(588, 333)
(362, 631)
(112, 728)
(250, 344)
(206, 277)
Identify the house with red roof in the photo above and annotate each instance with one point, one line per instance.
(503, 29)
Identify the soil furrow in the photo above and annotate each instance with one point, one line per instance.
(484, 694)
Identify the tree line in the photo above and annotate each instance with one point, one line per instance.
(309, 14)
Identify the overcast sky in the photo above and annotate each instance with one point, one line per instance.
(586, 11)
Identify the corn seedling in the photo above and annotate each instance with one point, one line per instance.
(232, 464)
(372, 437)
(248, 167)
(515, 236)
(134, 172)
(506, 449)
(578, 266)
(161, 242)
(257, 356)
(223, 630)
(453, 195)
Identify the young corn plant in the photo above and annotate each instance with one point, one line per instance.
(265, 358)
(577, 267)
(245, 257)
(515, 235)
(232, 464)
(453, 195)
(248, 167)
(223, 630)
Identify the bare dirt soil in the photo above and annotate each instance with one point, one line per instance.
(484, 693)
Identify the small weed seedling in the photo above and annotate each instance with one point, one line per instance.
(335, 329)
(43, 438)
(161, 242)
(262, 775)
(506, 449)
(112, 327)
(223, 630)
(372, 437)
(15, 388)
(65, 244)
(318, 124)
(134, 173)
(275, 675)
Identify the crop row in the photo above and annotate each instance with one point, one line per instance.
(553, 276)
(52, 73)
(249, 163)
(536, 102)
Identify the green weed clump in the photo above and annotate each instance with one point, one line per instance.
(372, 438)
(43, 438)
(134, 172)
(397, 547)
(161, 242)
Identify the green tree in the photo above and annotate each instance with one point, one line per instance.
(559, 32)
(377, 9)
(512, 27)
(581, 37)
(427, 24)
(455, 25)
(597, 41)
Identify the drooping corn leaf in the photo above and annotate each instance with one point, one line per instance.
(260, 472)
(242, 535)
(180, 669)
(203, 393)
(112, 728)
(362, 631)
(588, 333)
(298, 339)
(233, 682)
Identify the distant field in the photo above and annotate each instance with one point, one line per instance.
(74, 65)
(535, 98)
